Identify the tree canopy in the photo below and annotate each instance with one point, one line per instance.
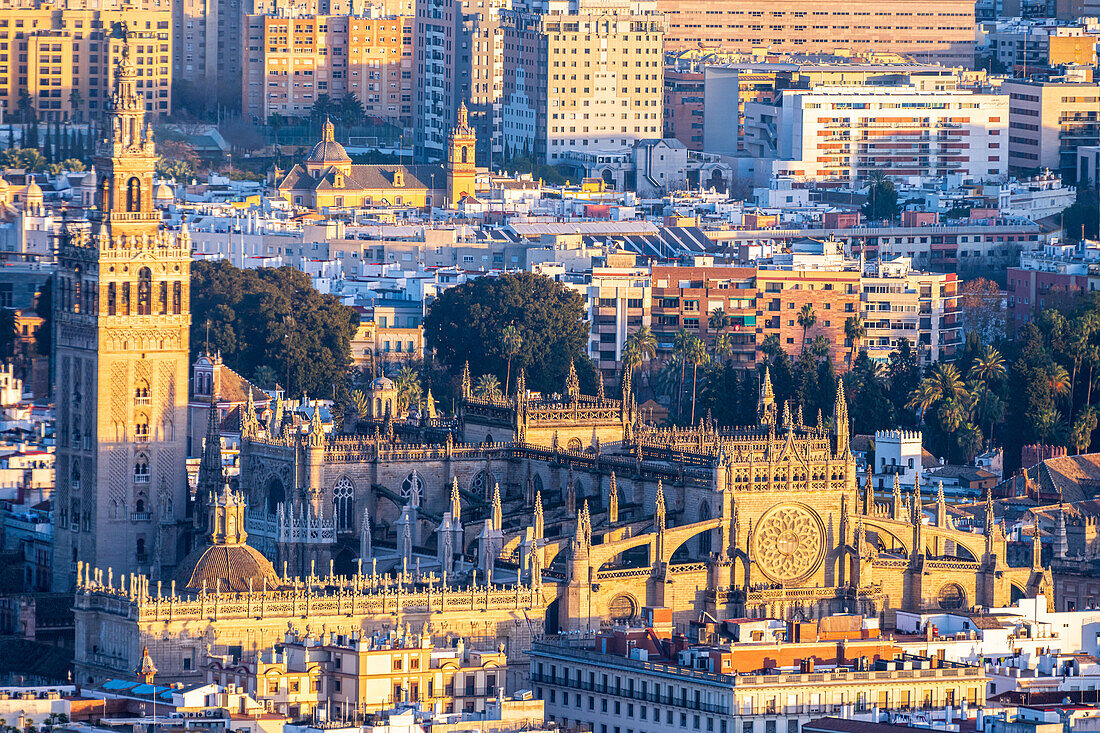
(272, 317)
(466, 322)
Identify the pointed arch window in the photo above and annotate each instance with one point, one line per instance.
(112, 298)
(343, 505)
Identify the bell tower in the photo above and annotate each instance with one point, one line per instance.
(461, 169)
(121, 315)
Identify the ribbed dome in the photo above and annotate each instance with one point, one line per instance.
(382, 383)
(164, 191)
(232, 565)
(328, 151)
(33, 189)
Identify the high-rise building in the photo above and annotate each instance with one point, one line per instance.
(459, 59)
(580, 75)
(292, 61)
(848, 131)
(1048, 121)
(684, 106)
(121, 315)
(62, 56)
(937, 31)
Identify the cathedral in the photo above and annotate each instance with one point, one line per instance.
(513, 517)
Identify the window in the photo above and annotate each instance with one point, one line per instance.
(145, 292)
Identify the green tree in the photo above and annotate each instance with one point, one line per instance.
(718, 320)
(510, 344)
(855, 330)
(465, 323)
(681, 343)
(408, 387)
(806, 320)
(487, 387)
(8, 333)
(1080, 220)
(1083, 427)
(323, 108)
(882, 198)
(274, 317)
(696, 353)
(265, 377)
(642, 345)
(350, 110)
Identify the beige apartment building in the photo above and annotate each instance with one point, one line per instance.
(898, 302)
(64, 57)
(293, 60)
(582, 77)
(1048, 121)
(937, 31)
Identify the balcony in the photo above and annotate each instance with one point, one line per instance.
(141, 517)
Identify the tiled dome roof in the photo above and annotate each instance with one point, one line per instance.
(233, 565)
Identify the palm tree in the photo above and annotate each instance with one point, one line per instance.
(771, 347)
(944, 384)
(696, 353)
(819, 347)
(723, 346)
(408, 389)
(855, 329)
(510, 343)
(718, 320)
(806, 319)
(1083, 427)
(361, 400)
(1078, 347)
(487, 387)
(643, 343)
(350, 110)
(1057, 379)
(988, 365)
(969, 437)
(265, 377)
(679, 347)
(323, 107)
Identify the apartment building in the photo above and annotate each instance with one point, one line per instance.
(582, 75)
(684, 296)
(845, 132)
(1030, 46)
(1050, 278)
(644, 679)
(291, 60)
(937, 32)
(459, 58)
(64, 59)
(308, 673)
(833, 296)
(684, 106)
(1048, 121)
(898, 302)
(618, 299)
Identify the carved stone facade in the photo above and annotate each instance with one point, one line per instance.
(121, 343)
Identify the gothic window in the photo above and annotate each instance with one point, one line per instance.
(163, 297)
(139, 505)
(343, 505)
(482, 484)
(76, 515)
(145, 292)
(141, 393)
(141, 549)
(177, 297)
(141, 429)
(412, 489)
(133, 195)
(575, 445)
(537, 483)
(276, 495)
(114, 511)
(111, 297)
(74, 482)
(141, 470)
(124, 309)
(464, 154)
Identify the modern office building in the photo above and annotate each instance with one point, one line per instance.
(63, 57)
(580, 75)
(938, 31)
(294, 60)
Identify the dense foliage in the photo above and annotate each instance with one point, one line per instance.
(470, 322)
(275, 318)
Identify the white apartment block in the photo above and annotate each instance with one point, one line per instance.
(580, 75)
(899, 302)
(845, 132)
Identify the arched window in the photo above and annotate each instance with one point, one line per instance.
(133, 195)
(141, 393)
(124, 308)
(343, 505)
(464, 153)
(141, 549)
(141, 429)
(177, 298)
(276, 495)
(145, 292)
(74, 482)
(163, 297)
(141, 470)
(139, 505)
(111, 298)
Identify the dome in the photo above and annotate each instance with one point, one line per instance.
(232, 565)
(382, 383)
(164, 191)
(33, 189)
(328, 150)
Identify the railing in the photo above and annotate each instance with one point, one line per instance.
(681, 701)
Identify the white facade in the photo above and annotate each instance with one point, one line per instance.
(833, 132)
(897, 453)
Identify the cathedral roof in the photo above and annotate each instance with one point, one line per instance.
(231, 565)
(328, 151)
